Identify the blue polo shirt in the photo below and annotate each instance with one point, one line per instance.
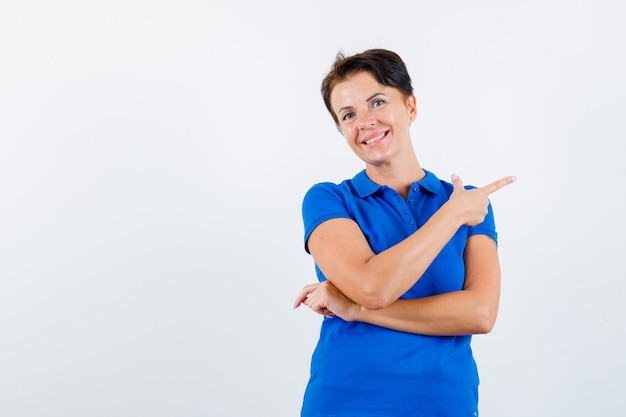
(360, 369)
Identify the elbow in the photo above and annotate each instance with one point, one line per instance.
(485, 320)
(374, 299)
(375, 304)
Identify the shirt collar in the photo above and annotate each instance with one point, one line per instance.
(430, 182)
(364, 186)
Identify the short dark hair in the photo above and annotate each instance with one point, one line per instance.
(386, 66)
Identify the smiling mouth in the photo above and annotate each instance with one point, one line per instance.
(375, 138)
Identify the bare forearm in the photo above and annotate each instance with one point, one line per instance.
(449, 314)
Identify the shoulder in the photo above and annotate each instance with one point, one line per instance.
(323, 187)
(325, 201)
(323, 191)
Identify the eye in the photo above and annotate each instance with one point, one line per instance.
(347, 116)
(378, 103)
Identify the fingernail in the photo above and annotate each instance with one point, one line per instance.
(454, 177)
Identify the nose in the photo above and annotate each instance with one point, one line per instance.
(367, 122)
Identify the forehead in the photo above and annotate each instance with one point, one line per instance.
(356, 89)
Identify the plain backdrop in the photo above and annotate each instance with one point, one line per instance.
(153, 160)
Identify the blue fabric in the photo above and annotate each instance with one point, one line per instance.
(359, 369)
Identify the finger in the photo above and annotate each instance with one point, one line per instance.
(302, 298)
(496, 185)
(304, 294)
(328, 313)
(299, 299)
(456, 181)
(312, 300)
(317, 306)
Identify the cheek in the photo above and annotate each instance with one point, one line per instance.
(400, 120)
(350, 134)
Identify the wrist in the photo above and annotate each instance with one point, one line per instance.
(358, 313)
(453, 214)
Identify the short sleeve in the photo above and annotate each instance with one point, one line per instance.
(487, 227)
(323, 201)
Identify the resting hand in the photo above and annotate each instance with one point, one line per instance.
(472, 204)
(324, 298)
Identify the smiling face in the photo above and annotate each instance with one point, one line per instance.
(373, 118)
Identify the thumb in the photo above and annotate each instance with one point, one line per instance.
(456, 181)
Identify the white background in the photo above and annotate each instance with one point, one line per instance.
(153, 159)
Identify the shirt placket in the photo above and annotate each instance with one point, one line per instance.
(411, 203)
(406, 209)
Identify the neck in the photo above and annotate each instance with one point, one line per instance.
(399, 175)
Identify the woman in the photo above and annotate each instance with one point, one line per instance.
(407, 263)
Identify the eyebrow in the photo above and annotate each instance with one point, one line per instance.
(370, 98)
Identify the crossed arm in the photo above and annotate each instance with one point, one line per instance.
(366, 287)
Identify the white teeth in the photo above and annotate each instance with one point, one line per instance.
(374, 139)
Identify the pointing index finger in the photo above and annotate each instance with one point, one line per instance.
(496, 185)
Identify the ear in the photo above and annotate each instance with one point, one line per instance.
(411, 103)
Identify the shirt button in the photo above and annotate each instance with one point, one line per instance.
(411, 224)
(415, 189)
(410, 201)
